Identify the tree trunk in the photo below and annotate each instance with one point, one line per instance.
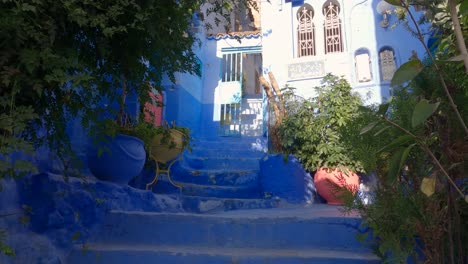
(272, 90)
(458, 33)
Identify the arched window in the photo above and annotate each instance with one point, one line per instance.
(305, 31)
(362, 64)
(387, 63)
(332, 27)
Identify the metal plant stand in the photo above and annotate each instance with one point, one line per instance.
(165, 153)
(159, 171)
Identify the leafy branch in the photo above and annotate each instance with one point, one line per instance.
(421, 143)
(420, 37)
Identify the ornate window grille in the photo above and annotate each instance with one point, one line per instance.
(332, 28)
(305, 31)
(387, 64)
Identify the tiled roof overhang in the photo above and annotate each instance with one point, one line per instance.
(235, 35)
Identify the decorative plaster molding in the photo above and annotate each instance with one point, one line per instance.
(308, 69)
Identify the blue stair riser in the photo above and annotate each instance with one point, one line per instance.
(215, 177)
(232, 144)
(101, 256)
(221, 191)
(217, 163)
(226, 153)
(197, 204)
(204, 230)
(165, 187)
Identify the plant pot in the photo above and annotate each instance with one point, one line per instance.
(122, 158)
(327, 180)
(164, 149)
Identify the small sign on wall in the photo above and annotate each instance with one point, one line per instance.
(303, 70)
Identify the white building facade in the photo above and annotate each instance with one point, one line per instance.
(299, 42)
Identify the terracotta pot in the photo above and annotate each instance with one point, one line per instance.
(326, 180)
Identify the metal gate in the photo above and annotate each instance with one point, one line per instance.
(230, 94)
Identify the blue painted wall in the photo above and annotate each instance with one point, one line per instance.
(183, 108)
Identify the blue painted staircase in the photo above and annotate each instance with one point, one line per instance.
(221, 181)
(219, 175)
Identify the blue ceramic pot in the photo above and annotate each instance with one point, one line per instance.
(123, 158)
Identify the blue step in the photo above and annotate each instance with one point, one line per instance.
(234, 144)
(226, 152)
(238, 177)
(199, 204)
(220, 191)
(141, 254)
(268, 228)
(219, 163)
(314, 234)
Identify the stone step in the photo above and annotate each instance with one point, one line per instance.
(142, 253)
(225, 153)
(199, 204)
(244, 191)
(233, 177)
(163, 186)
(221, 163)
(314, 227)
(230, 143)
(217, 191)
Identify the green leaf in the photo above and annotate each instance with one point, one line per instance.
(381, 131)
(397, 162)
(383, 108)
(400, 141)
(368, 127)
(394, 2)
(75, 236)
(407, 72)
(464, 8)
(405, 155)
(422, 111)
(394, 165)
(24, 220)
(7, 250)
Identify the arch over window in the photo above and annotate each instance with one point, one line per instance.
(305, 31)
(387, 63)
(363, 65)
(332, 27)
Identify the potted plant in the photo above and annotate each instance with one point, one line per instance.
(118, 151)
(314, 134)
(168, 142)
(118, 154)
(164, 148)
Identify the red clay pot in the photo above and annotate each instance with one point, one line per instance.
(326, 181)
